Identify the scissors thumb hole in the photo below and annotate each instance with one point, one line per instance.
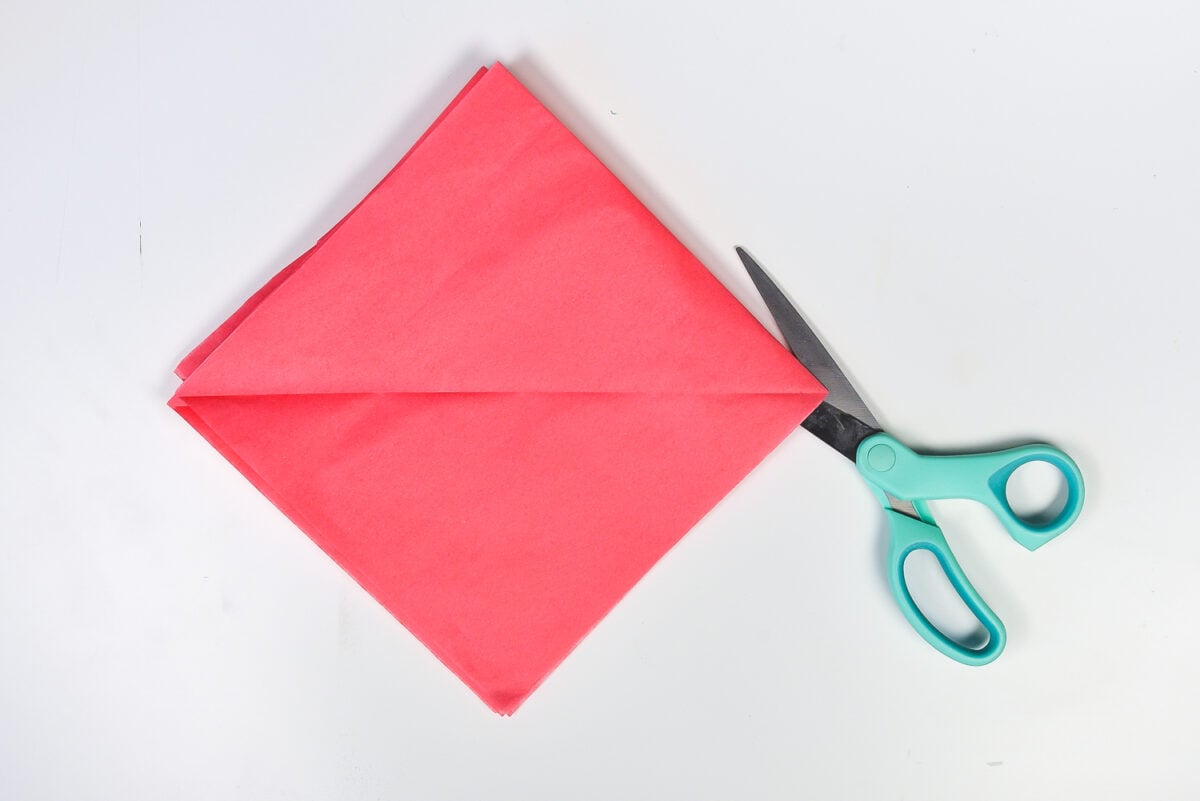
(936, 598)
(1037, 492)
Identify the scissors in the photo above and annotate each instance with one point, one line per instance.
(903, 481)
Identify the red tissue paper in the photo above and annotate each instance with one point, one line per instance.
(497, 392)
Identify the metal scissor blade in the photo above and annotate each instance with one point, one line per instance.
(847, 420)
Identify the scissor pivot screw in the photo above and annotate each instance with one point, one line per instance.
(881, 458)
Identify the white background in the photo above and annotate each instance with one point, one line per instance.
(989, 210)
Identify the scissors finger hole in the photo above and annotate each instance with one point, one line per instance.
(1037, 492)
(940, 603)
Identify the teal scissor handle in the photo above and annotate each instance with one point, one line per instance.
(909, 534)
(893, 470)
(982, 477)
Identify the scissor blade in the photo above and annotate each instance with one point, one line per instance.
(847, 420)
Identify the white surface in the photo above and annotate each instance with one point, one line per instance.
(990, 212)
